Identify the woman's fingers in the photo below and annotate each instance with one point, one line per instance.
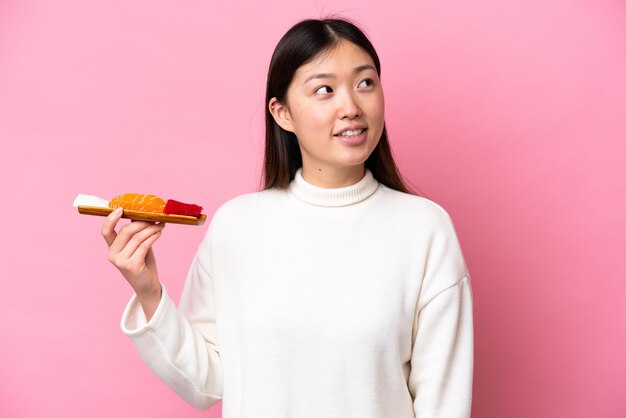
(126, 233)
(143, 248)
(108, 228)
(138, 239)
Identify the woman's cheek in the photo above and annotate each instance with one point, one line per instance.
(317, 120)
(379, 104)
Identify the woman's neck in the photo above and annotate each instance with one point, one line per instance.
(333, 197)
(333, 177)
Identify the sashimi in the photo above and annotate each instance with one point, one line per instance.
(90, 200)
(138, 202)
(180, 208)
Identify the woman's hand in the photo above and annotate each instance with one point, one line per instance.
(130, 250)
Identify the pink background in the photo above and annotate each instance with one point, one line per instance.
(511, 116)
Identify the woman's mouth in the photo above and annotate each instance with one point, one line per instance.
(352, 137)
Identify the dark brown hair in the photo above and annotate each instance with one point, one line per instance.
(302, 43)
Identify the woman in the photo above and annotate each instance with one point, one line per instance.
(333, 292)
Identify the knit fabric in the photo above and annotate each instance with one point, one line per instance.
(315, 302)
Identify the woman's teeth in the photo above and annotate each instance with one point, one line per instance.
(351, 133)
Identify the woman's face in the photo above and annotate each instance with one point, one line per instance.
(334, 93)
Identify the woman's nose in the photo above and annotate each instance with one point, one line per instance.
(349, 108)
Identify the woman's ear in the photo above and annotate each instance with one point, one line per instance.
(281, 114)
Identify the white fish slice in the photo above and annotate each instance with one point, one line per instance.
(90, 200)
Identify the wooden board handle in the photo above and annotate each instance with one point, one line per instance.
(144, 216)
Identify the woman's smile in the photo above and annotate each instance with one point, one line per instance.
(352, 137)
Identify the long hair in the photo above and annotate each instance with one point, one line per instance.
(301, 43)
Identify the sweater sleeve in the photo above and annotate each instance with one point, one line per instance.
(180, 345)
(441, 375)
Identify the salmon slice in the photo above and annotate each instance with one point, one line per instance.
(138, 202)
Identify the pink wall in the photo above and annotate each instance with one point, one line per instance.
(511, 116)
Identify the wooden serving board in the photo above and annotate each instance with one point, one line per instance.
(145, 216)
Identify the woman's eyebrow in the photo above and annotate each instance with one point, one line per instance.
(331, 75)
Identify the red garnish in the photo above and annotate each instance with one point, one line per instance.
(173, 207)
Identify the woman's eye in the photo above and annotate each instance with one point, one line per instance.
(369, 81)
(321, 89)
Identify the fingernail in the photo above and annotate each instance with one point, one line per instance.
(117, 211)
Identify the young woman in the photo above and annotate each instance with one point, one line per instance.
(334, 291)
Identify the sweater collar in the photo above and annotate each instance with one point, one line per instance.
(341, 196)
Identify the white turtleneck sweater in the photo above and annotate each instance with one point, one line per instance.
(314, 302)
